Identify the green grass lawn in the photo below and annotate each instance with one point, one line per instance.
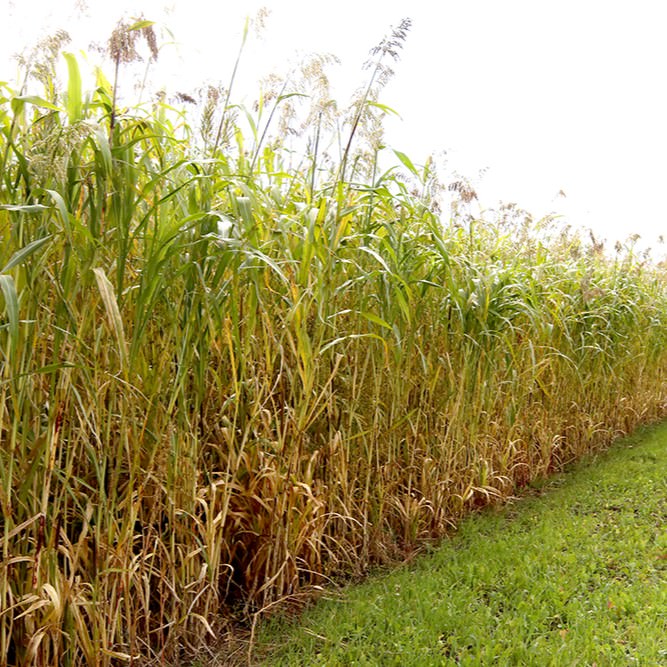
(574, 574)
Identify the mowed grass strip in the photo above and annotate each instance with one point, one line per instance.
(575, 574)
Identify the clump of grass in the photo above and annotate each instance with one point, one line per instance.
(227, 375)
(574, 574)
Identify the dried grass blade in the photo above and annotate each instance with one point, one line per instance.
(113, 313)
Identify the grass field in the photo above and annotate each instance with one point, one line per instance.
(241, 357)
(574, 574)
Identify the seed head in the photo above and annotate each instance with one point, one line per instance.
(122, 45)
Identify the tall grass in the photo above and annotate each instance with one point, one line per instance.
(227, 375)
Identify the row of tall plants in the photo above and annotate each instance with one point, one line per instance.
(231, 369)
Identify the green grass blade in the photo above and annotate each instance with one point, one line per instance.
(11, 309)
(20, 255)
(74, 103)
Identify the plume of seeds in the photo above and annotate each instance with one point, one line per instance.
(464, 190)
(389, 46)
(122, 48)
(122, 44)
(259, 21)
(206, 127)
(314, 75)
(39, 64)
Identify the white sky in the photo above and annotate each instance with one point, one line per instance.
(548, 95)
